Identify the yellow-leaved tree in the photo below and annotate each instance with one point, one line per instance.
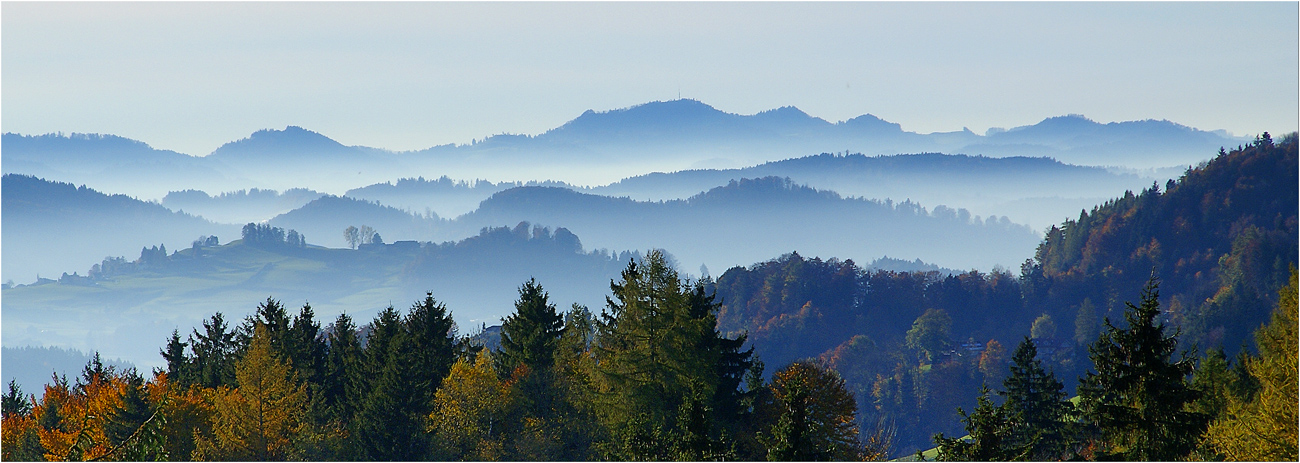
(1264, 427)
(469, 411)
(258, 419)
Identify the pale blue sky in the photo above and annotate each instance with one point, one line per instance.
(191, 76)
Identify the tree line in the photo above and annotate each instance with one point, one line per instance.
(649, 377)
(1143, 402)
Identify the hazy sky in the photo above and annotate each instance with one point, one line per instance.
(191, 76)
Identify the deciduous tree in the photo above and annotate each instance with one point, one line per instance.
(816, 418)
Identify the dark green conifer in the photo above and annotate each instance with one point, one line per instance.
(343, 378)
(131, 414)
(1137, 399)
(993, 435)
(180, 371)
(1037, 403)
(14, 404)
(531, 335)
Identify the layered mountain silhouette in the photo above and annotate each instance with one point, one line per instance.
(1035, 191)
(594, 148)
(52, 228)
(243, 206)
(762, 217)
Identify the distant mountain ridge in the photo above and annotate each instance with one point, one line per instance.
(593, 148)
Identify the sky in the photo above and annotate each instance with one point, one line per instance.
(403, 76)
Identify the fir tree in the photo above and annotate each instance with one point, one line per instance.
(1137, 399)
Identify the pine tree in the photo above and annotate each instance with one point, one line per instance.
(1137, 398)
(531, 335)
(1036, 401)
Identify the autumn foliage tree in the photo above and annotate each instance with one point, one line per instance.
(257, 419)
(1263, 426)
(816, 415)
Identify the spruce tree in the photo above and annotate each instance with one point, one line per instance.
(531, 335)
(179, 367)
(1137, 399)
(383, 427)
(406, 359)
(430, 353)
(1036, 401)
(343, 377)
(214, 353)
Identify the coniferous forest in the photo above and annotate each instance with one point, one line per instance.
(1158, 326)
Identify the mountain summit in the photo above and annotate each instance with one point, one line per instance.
(292, 140)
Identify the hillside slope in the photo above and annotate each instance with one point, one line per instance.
(1221, 239)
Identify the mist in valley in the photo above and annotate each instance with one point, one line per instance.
(570, 207)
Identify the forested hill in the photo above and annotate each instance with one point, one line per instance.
(771, 216)
(53, 227)
(1221, 239)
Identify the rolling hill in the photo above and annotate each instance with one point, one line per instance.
(767, 216)
(53, 227)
